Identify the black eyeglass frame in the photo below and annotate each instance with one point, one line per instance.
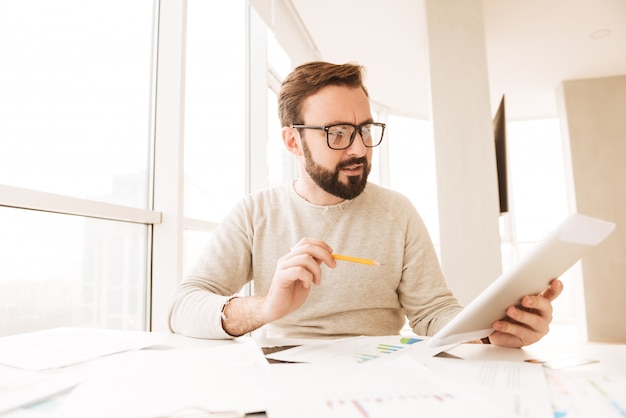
(357, 128)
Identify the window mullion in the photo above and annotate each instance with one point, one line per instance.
(167, 246)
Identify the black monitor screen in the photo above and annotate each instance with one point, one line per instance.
(499, 130)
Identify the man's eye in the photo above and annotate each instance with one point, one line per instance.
(337, 135)
(336, 139)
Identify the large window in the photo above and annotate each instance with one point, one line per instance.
(215, 108)
(60, 270)
(412, 166)
(75, 108)
(76, 97)
(215, 118)
(538, 199)
(538, 191)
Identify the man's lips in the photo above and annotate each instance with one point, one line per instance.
(353, 168)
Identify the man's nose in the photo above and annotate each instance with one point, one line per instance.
(357, 147)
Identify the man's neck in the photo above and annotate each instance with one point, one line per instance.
(312, 193)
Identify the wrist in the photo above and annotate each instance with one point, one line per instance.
(241, 316)
(223, 313)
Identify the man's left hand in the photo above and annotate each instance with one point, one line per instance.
(527, 324)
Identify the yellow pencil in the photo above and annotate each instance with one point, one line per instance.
(356, 259)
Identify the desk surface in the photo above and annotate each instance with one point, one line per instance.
(561, 343)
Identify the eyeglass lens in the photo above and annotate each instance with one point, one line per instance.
(341, 136)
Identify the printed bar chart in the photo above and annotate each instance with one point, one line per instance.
(358, 350)
(383, 349)
(386, 348)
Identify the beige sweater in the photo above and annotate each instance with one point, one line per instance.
(352, 299)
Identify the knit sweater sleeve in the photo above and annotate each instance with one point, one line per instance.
(220, 272)
(423, 292)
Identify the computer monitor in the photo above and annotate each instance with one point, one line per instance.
(499, 132)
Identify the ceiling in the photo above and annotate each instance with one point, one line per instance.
(532, 46)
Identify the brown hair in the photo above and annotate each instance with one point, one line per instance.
(306, 79)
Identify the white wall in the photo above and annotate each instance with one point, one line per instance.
(594, 112)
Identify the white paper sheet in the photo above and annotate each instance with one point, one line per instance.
(19, 388)
(517, 387)
(60, 347)
(399, 387)
(550, 258)
(163, 383)
(358, 350)
(578, 394)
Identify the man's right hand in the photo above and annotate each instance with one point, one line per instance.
(295, 272)
(294, 275)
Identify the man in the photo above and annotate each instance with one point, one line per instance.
(284, 239)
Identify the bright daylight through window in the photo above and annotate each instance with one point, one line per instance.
(75, 106)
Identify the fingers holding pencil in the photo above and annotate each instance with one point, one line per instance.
(312, 247)
(355, 259)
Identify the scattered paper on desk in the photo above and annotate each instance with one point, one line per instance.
(519, 388)
(60, 347)
(164, 383)
(20, 388)
(561, 363)
(399, 387)
(583, 394)
(357, 350)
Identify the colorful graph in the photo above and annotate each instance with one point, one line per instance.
(388, 349)
(384, 348)
(413, 391)
(355, 350)
(578, 395)
(362, 358)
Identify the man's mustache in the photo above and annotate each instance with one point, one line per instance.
(353, 161)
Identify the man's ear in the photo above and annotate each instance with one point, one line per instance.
(291, 139)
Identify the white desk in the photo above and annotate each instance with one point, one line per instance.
(561, 343)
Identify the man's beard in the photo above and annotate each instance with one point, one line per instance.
(328, 180)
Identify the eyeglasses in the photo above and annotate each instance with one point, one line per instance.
(341, 135)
